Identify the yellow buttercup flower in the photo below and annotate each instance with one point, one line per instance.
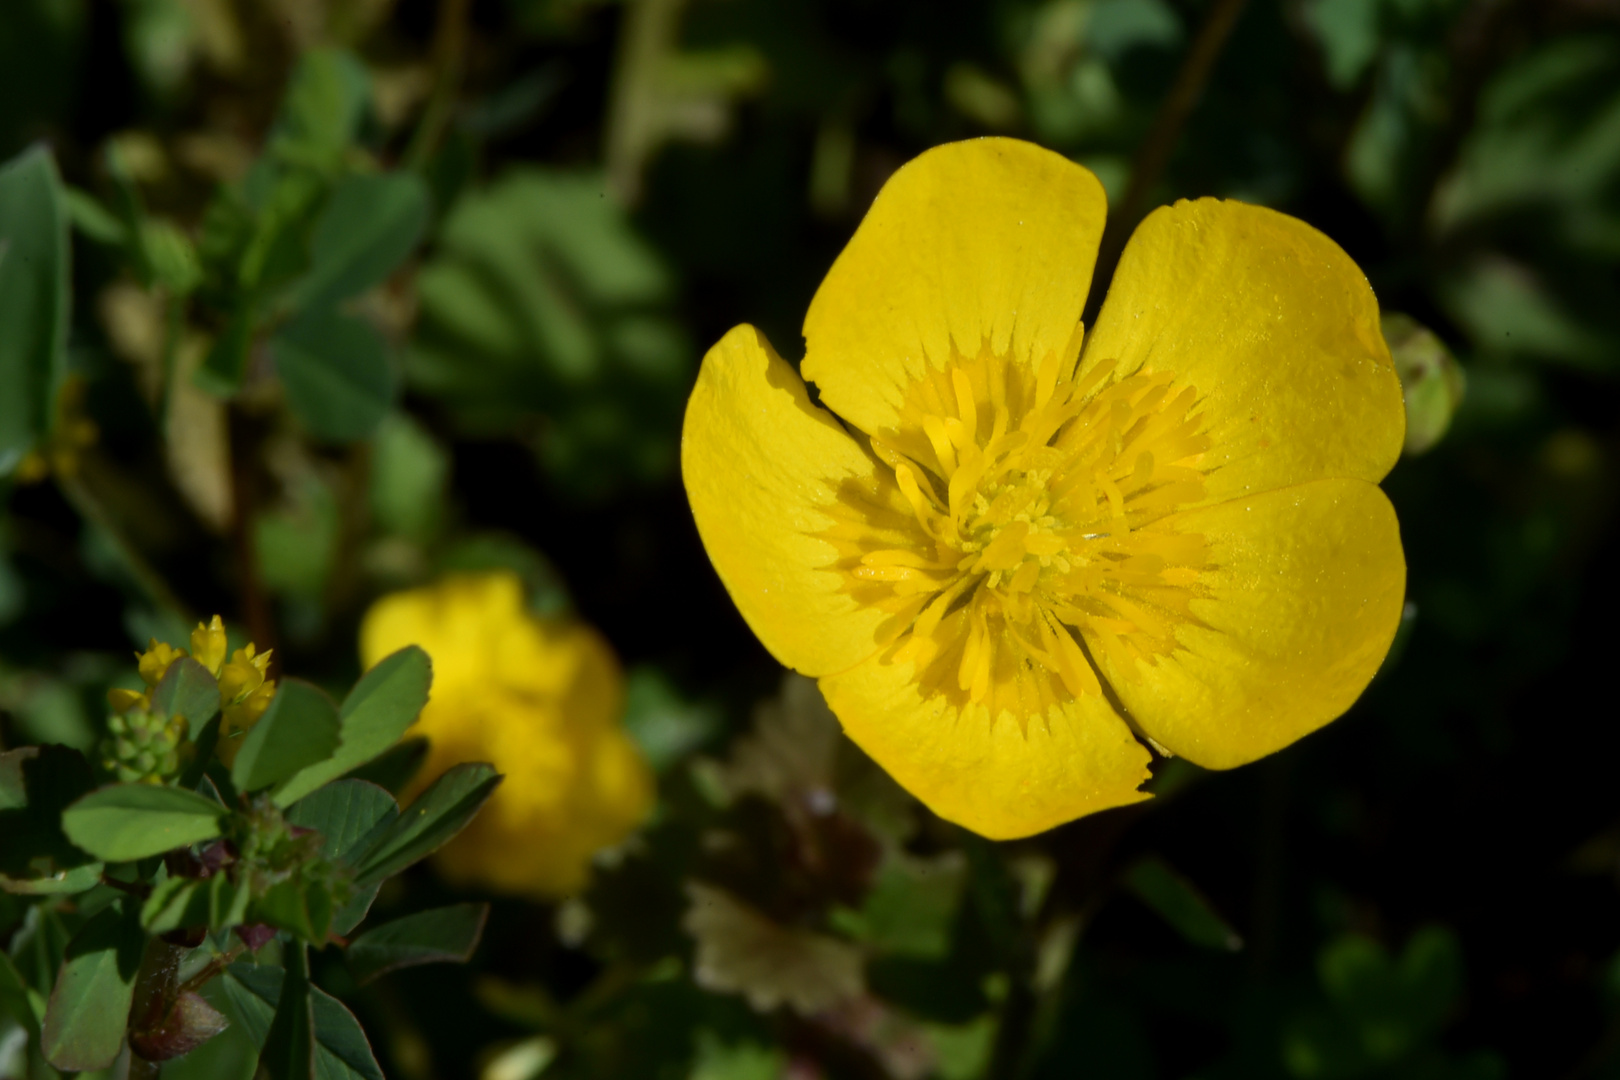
(1026, 543)
(540, 699)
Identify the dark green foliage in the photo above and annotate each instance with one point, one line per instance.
(442, 286)
(443, 934)
(89, 1005)
(440, 812)
(34, 302)
(36, 785)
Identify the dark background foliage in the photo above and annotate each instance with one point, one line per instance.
(1464, 815)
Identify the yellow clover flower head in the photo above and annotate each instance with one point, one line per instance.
(1026, 544)
(244, 689)
(542, 700)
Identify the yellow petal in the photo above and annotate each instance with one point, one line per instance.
(972, 244)
(1276, 328)
(762, 466)
(1003, 779)
(208, 644)
(1302, 598)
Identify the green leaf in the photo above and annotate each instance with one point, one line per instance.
(34, 301)
(187, 689)
(664, 724)
(177, 903)
(394, 768)
(36, 784)
(289, 1046)
(543, 297)
(1393, 1004)
(345, 813)
(321, 112)
(385, 702)
(89, 1006)
(912, 906)
(341, 1049)
(369, 225)
(443, 935)
(92, 219)
(226, 363)
(18, 1000)
(299, 729)
(409, 473)
(338, 376)
(303, 907)
(1180, 905)
(441, 812)
(136, 821)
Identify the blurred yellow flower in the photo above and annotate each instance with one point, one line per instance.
(541, 700)
(1025, 543)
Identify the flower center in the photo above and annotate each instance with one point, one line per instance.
(1019, 525)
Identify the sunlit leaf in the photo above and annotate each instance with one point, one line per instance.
(299, 729)
(135, 821)
(383, 704)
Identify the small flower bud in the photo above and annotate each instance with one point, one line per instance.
(208, 644)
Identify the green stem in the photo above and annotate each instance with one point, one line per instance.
(449, 49)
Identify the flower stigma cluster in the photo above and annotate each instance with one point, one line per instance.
(1030, 497)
